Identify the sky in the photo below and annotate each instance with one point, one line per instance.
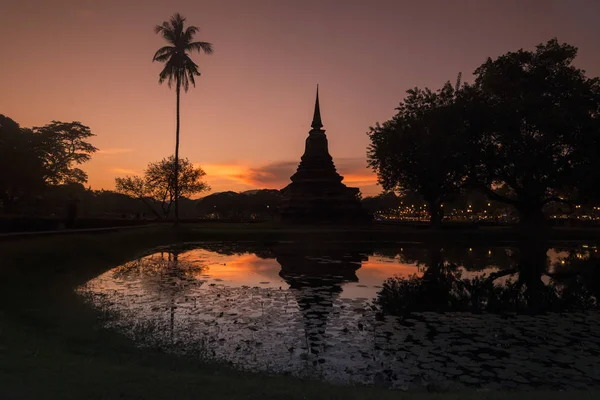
(246, 121)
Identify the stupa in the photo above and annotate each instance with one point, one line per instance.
(316, 192)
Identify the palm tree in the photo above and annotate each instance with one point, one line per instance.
(179, 69)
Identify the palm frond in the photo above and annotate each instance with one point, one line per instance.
(191, 70)
(169, 73)
(163, 53)
(179, 67)
(163, 58)
(192, 80)
(166, 32)
(205, 47)
(189, 33)
(160, 28)
(177, 24)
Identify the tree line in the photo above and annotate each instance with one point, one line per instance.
(35, 160)
(525, 133)
(41, 175)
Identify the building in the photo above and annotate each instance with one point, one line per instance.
(316, 193)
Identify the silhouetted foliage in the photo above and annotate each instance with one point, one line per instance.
(247, 205)
(537, 117)
(386, 201)
(63, 146)
(179, 69)
(424, 148)
(135, 186)
(21, 167)
(33, 161)
(158, 183)
(527, 133)
(442, 286)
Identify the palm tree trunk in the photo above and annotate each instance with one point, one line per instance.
(177, 157)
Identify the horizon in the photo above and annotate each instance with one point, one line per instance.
(246, 121)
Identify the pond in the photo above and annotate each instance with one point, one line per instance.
(403, 315)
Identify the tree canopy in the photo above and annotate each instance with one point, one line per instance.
(538, 120)
(423, 148)
(63, 146)
(33, 160)
(526, 133)
(179, 68)
(158, 182)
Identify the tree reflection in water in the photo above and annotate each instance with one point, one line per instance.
(163, 266)
(530, 283)
(308, 311)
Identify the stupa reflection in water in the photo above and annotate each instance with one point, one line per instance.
(316, 282)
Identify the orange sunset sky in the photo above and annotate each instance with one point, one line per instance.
(247, 119)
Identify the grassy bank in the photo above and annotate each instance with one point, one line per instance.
(51, 346)
(376, 232)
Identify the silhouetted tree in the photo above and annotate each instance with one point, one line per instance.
(179, 68)
(443, 288)
(159, 179)
(537, 115)
(63, 146)
(33, 161)
(387, 201)
(423, 148)
(253, 204)
(223, 205)
(21, 167)
(264, 202)
(135, 186)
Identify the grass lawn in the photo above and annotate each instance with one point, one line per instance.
(51, 346)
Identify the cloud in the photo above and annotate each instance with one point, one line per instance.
(124, 171)
(276, 175)
(113, 151)
(225, 172)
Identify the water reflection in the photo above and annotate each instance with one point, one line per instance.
(528, 281)
(481, 316)
(316, 282)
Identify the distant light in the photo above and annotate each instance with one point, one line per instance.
(489, 204)
(562, 261)
(470, 249)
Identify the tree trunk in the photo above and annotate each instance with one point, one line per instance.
(531, 216)
(533, 262)
(436, 214)
(176, 184)
(156, 214)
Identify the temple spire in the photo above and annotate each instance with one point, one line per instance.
(316, 122)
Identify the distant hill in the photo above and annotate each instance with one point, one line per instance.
(260, 202)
